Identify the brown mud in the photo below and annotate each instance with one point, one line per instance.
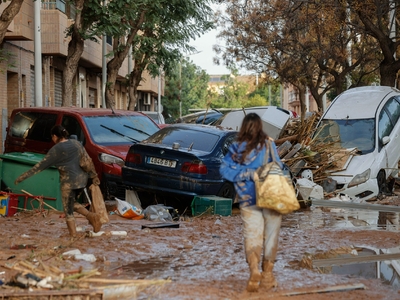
(204, 257)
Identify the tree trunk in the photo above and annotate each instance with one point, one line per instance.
(133, 95)
(120, 52)
(113, 67)
(75, 50)
(7, 16)
(134, 80)
(302, 90)
(388, 74)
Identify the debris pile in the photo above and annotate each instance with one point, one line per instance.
(310, 159)
(35, 279)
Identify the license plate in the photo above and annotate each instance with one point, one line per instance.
(162, 162)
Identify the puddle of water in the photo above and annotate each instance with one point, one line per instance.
(386, 270)
(156, 266)
(344, 218)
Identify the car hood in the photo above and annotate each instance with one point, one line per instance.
(356, 165)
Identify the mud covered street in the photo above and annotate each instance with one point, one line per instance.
(204, 257)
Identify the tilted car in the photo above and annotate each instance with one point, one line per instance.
(205, 117)
(366, 120)
(106, 134)
(181, 159)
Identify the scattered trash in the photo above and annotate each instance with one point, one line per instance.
(100, 233)
(218, 222)
(158, 213)
(129, 211)
(71, 252)
(86, 257)
(308, 189)
(161, 225)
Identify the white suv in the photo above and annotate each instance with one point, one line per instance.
(365, 119)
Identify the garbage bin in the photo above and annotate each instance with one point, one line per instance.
(45, 184)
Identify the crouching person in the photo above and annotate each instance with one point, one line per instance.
(75, 168)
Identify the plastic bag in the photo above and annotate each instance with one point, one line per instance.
(98, 206)
(129, 211)
(157, 213)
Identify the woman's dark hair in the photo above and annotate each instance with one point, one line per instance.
(59, 131)
(252, 133)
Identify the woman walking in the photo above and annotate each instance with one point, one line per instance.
(260, 226)
(75, 167)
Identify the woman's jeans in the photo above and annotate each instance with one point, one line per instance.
(261, 231)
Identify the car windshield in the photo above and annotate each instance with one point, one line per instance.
(119, 129)
(186, 138)
(347, 134)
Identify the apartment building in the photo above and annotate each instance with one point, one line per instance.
(291, 100)
(17, 71)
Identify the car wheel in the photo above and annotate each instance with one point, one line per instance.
(381, 178)
(227, 191)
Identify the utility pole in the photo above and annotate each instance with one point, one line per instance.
(38, 55)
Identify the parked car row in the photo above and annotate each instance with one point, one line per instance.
(131, 151)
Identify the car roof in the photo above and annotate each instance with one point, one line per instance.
(80, 111)
(359, 103)
(205, 128)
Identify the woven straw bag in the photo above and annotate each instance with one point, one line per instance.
(274, 189)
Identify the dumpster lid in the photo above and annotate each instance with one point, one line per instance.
(25, 157)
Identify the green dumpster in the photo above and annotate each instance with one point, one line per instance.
(45, 184)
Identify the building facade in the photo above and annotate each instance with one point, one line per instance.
(17, 70)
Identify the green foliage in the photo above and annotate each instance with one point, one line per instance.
(187, 83)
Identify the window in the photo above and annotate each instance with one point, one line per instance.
(385, 126)
(33, 126)
(392, 107)
(73, 128)
(228, 142)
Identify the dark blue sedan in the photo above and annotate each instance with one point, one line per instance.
(182, 159)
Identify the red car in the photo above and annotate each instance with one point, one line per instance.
(106, 134)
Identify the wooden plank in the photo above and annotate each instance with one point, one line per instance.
(337, 288)
(338, 261)
(292, 152)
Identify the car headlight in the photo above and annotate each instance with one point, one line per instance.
(111, 159)
(360, 178)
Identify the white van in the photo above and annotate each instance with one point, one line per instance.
(365, 119)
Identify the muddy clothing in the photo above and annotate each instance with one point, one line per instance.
(260, 226)
(74, 165)
(261, 231)
(241, 174)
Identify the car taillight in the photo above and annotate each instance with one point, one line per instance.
(198, 168)
(134, 158)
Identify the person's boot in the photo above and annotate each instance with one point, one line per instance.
(71, 227)
(268, 280)
(93, 218)
(253, 260)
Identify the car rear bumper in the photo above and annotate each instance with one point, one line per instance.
(158, 182)
(113, 185)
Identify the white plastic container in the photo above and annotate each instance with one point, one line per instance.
(100, 233)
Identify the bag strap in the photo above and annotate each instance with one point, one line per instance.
(271, 150)
(268, 149)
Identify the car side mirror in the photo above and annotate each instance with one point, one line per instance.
(385, 140)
